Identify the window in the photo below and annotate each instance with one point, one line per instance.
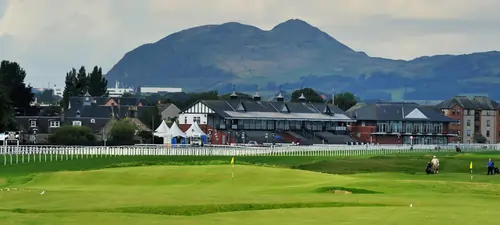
(77, 123)
(92, 120)
(197, 119)
(32, 123)
(185, 120)
(488, 123)
(487, 112)
(468, 133)
(363, 123)
(468, 122)
(54, 123)
(487, 133)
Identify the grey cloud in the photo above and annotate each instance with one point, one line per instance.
(90, 32)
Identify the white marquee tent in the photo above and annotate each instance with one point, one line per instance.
(162, 130)
(175, 131)
(195, 128)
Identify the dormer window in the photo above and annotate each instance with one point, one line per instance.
(285, 108)
(241, 107)
(54, 124)
(32, 123)
(77, 113)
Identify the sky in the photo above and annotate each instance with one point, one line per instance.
(49, 37)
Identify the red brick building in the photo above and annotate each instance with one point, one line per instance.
(399, 123)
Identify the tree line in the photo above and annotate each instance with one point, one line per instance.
(15, 95)
(79, 83)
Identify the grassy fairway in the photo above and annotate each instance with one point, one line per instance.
(287, 190)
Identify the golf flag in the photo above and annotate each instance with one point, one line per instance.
(470, 165)
(232, 168)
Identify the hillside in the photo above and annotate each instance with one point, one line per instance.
(295, 54)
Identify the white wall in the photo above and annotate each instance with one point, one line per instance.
(190, 118)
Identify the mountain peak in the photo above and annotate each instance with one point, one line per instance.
(293, 24)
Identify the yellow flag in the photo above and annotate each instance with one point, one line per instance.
(232, 161)
(470, 165)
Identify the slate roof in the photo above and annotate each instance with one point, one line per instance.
(396, 112)
(476, 102)
(273, 110)
(93, 114)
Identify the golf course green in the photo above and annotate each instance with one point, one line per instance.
(378, 190)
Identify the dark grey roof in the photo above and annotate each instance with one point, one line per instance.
(42, 123)
(125, 101)
(477, 102)
(396, 112)
(274, 109)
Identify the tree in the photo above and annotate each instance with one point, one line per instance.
(193, 97)
(97, 83)
(6, 115)
(478, 138)
(345, 100)
(151, 117)
(70, 88)
(82, 82)
(46, 96)
(310, 94)
(12, 79)
(73, 135)
(122, 132)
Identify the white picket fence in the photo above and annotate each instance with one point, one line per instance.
(27, 154)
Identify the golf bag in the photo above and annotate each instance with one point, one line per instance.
(496, 170)
(428, 169)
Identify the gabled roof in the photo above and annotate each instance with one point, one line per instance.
(396, 112)
(477, 102)
(274, 110)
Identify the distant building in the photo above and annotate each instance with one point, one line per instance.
(399, 123)
(169, 111)
(477, 116)
(158, 90)
(118, 91)
(238, 120)
(93, 112)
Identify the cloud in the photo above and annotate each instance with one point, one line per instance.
(48, 37)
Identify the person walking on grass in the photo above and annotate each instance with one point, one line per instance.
(491, 166)
(435, 164)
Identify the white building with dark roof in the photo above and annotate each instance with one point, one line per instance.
(308, 122)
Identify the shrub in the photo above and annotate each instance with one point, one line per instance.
(73, 135)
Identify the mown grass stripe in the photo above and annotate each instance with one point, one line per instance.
(195, 210)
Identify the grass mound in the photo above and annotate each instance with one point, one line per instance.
(195, 210)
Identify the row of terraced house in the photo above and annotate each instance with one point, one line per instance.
(460, 119)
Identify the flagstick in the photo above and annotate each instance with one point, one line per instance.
(471, 174)
(232, 171)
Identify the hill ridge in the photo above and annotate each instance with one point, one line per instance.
(294, 54)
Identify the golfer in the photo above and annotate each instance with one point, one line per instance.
(491, 166)
(435, 164)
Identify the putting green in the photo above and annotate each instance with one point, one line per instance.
(208, 194)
